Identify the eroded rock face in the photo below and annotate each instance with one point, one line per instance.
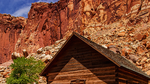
(10, 29)
(49, 22)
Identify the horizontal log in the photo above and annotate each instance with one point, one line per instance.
(83, 61)
(119, 78)
(112, 81)
(79, 49)
(74, 68)
(88, 77)
(129, 77)
(58, 82)
(94, 70)
(122, 83)
(127, 80)
(81, 58)
(83, 74)
(104, 73)
(133, 74)
(88, 63)
(86, 54)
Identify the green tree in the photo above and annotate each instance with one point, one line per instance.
(25, 71)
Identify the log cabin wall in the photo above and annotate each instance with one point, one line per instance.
(128, 77)
(81, 64)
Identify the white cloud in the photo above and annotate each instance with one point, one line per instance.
(22, 11)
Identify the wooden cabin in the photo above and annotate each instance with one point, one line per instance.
(81, 61)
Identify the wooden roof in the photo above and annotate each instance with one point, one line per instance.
(117, 59)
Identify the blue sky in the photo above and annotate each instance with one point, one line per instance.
(18, 7)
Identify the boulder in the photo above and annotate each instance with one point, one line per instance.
(39, 50)
(140, 36)
(25, 53)
(114, 49)
(15, 55)
(1, 70)
(141, 50)
(121, 34)
(47, 52)
(47, 58)
(143, 60)
(148, 45)
(5, 74)
(134, 58)
(148, 72)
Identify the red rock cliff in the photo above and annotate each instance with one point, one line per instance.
(49, 22)
(10, 29)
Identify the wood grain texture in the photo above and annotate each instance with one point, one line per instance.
(127, 77)
(80, 61)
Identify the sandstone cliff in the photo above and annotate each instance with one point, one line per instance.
(49, 22)
(10, 29)
(103, 21)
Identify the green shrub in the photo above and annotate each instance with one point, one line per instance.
(25, 71)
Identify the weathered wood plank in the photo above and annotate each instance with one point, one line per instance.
(132, 73)
(97, 73)
(88, 77)
(129, 77)
(76, 67)
(101, 82)
(82, 60)
(86, 54)
(110, 72)
(94, 70)
(112, 81)
(121, 83)
(123, 80)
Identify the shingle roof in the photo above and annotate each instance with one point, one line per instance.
(117, 59)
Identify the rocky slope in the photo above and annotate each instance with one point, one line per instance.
(45, 54)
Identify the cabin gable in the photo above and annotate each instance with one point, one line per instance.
(81, 62)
